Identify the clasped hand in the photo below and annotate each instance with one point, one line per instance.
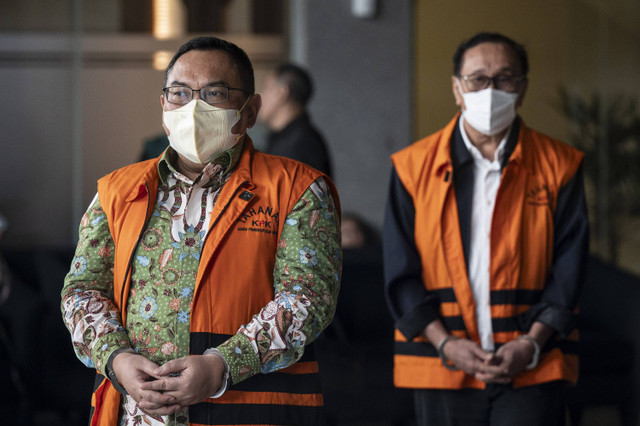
(499, 367)
(172, 387)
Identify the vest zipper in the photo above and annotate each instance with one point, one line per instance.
(215, 222)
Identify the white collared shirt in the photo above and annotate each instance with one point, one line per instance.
(486, 180)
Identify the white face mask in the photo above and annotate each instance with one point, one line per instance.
(489, 111)
(199, 131)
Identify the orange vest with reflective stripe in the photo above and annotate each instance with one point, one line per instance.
(234, 281)
(521, 252)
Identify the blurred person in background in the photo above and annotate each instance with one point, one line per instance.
(16, 302)
(357, 233)
(5, 277)
(154, 146)
(356, 350)
(287, 91)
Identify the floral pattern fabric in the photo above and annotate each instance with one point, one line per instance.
(306, 279)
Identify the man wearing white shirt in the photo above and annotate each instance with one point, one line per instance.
(485, 238)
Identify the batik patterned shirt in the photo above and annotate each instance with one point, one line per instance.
(164, 276)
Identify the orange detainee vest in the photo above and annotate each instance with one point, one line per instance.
(234, 282)
(521, 251)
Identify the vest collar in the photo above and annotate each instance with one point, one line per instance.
(516, 150)
(242, 173)
(522, 148)
(148, 183)
(153, 172)
(443, 161)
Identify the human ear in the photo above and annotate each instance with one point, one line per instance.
(248, 115)
(523, 89)
(455, 88)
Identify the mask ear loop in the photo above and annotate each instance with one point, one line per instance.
(238, 113)
(244, 105)
(462, 93)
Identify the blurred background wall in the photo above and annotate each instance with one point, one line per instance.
(80, 94)
(82, 86)
(86, 79)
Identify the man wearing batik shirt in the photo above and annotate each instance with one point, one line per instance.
(198, 272)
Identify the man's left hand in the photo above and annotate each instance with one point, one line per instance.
(513, 356)
(189, 380)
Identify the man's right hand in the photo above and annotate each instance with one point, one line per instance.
(465, 354)
(132, 371)
(469, 357)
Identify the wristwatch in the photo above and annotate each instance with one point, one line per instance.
(443, 357)
(111, 375)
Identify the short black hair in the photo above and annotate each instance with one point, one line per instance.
(486, 37)
(238, 56)
(297, 80)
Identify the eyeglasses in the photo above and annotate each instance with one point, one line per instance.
(182, 95)
(508, 83)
